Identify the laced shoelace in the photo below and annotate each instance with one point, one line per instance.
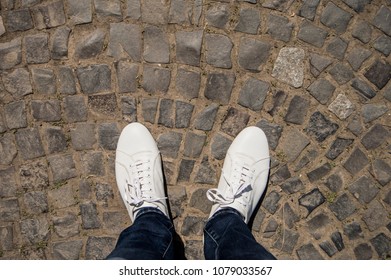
(139, 190)
(239, 185)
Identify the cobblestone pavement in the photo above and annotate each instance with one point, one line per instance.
(313, 74)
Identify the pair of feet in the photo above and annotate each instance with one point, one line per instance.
(139, 172)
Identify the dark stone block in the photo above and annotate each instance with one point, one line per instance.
(253, 94)
(89, 215)
(234, 122)
(55, 139)
(294, 143)
(66, 80)
(188, 83)
(90, 45)
(192, 226)
(356, 161)
(183, 114)
(7, 240)
(63, 167)
(337, 48)
(94, 78)
(93, 164)
(297, 110)
(156, 45)
(278, 100)
(29, 143)
(382, 245)
(125, 40)
(341, 73)
(219, 87)
(338, 146)
(7, 149)
(249, 21)
(44, 81)
(290, 217)
(218, 50)
(371, 112)
(35, 202)
(343, 207)
(206, 118)
(129, 108)
(287, 241)
(382, 20)
(253, 53)
(127, 76)
(9, 210)
(67, 250)
(66, 225)
(308, 9)
(312, 34)
(319, 172)
(37, 50)
(329, 248)
(185, 170)
(149, 109)
(10, 54)
(281, 5)
(362, 31)
(376, 216)
(104, 8)
(166, 113)
(18, 83)
(49, 15)
(318, 63)
(335, 18)
(357, 5)
(379, 73)
(322, 90)
(312, 200)
(318, 225)
(155, 12)
(383, 44)
(35, 230)
(320, 127)
(133, 9)
(79, 11)
(272, 132)
(75, 108)
(8, 185)
(364, 189)
(19, 20)
(375, 137)
(381, 171)
(270, 202)
(292, 185)
(363, 88)
(103, 192)
(180, 12)
(188, 47)
(308, 252)
(59, 43)
(98, 248)
(280, 175)
(108, 134)
(156, 79)
(353, 231)
(336, 237)
(15, 114)
(194, 144)
(334, 183)
(357, 56)
(169, 144)
(280, 28)
(205, 174)
(48, 110)
(220, 145)
(363, 252)
(217, 15)
(199, 202)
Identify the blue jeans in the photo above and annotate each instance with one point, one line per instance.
(152, 236)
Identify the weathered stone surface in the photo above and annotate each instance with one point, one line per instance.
(297, 110)
(363, 88)
(363, 252)
(292, 185)
(353, 231)
(379, 73)
(8, 185)
(66, 225)
(234, 122)
(335, 18)
(375, 216)
(35, 202)
(19, 20)
(113, 221)
(15, 114)
(29, 143)
(355, 126)
(364, 189)
(270, 228)
(89, 215)
(356, 162)
(37, 49)
(188, 47)
(2, 28)
(318, 63)
(375, 137)
(156, 45)
(343, 207)
(290, 217)
(155, 12)
(287, 241)
(382, 20)
(253, 53)
(199, 202)
(317, 225)
(98, 248)
(218, 50)
(75, 108)
(249, 21)
(66, 80)
(166, 113)
(44, 81)
(34, 176)
(270, 202)
(205, 119)
(55, 139)
(308, 252)
(90, 45)
(10, 54)
(381, 171)
(7, 238)
(63, 167)
(219, 87)
(319, 172)
(341, 73)
(357, 5)
(156, 79)
(104, 8)
(67, 250)
(334, 182)
(342, 107)
(280, 28)
(9, 210)
(329, 248)
(103, 192)
(129, 108)
(35, 230)
(362, 31)
(194, 144)
(18, 83)
(49, 15)
(220, 145)
(382, 242)
(103, 103)
(46, 110)
(127, 76)
(217, 15)
(79, 11)
(83, 136)
(149, 109)
(383, 44)
(371, 112)
(320, 127)
(272, 131)
(281, 174)
(312, 200)
(336, 237)
(293, 144)
(306, 159)
(253, 94)
(338, 146)
(169, 144)
(192, 225)
(188, 83)
(337, 48)
(94, 78)
(125, 41)
(289, 66)
(308, 9)
(180, 12)
(322, 90)
(205, 174)
(357, 56)
(108, 134)
(59, 43)
(183, 114)
(280, 5)
(312, 34)
(185, 169)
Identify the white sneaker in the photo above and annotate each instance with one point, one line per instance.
(244, 174)
(138, 170)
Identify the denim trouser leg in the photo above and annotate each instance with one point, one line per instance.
(151, 237)
(227, 236)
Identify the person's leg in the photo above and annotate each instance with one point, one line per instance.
(139, 177)
(241, 185)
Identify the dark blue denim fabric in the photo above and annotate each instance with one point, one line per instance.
(227, 237)
(152, 236)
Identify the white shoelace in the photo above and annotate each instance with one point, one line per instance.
(238, 186)
(139, 190)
